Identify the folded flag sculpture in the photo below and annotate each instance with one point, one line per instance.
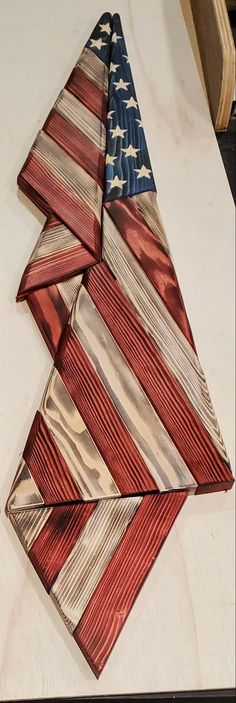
(126, 427)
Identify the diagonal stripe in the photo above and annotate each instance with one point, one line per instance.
(37, 178)
(50, 313)
(47, 466)
(173, 346)
(70, 108)
(28, 524)
(167, 397)
(99, 414)
(57, 538)
(119, 585)
(74, 442)
(24, 492)
(146, 204)
(152, 257)
(68, 172)
(76, 144)
(94, 68)
(69, 289)
(87, 92)
(54, 239)
(152, 441)
(54, 267)
(93, 550)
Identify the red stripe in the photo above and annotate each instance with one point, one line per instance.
(99, 414)
(57, 538)
(54, 268)
(62, 201)
(152, 257)
(113, 598)
(166, 395)
(47, 466)
(50, 223)
(88, 93)
(50, 313)
(33, 196)
(76, 144)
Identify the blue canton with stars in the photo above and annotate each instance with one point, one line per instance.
(128, 168)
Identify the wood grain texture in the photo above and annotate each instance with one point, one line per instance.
(70, 108)
(152, 257)
(87, 92)
(76, 144)
(161, 387)
(38, 178)
(100, 416)
(58, 535)
(217, 52)
(69, 173)
(146, 204)
(75, 443)
(50, 313)
(85, 565)
(160, 325)
(94, 68)
(47, 466)
(28, 524)
(110, 604)
(161, 457)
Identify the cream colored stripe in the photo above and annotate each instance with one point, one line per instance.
(53, 240)
(145, 427)
(95, 69)
(28, 524)
(146, 203)
(69, 172)
(69, 289)
(75, 442)
(73, 110)
(24, 491)
(158, 322)
(88, 559)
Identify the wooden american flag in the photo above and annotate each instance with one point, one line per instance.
(126, 427)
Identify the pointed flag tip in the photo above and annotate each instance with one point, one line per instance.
(24, 493)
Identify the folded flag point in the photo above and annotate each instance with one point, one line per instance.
(126, 428)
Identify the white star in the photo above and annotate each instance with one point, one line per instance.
(109, 114)
(131, 151)
(105, 28)
(97, 43)
(110, 159)
(131, 103)
(113, 67)
(115, 38)
(117, 132)
(121, 85)
(125, 57)
(143, 172)
(116, 182)
(140, 122)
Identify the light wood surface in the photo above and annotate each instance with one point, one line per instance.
(180, 633)
(216, 47)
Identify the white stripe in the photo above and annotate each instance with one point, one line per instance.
(95, 69)
(28, 524)
(162, 458)
(160, 325)
(69, 289)
(146, 203)
(88, 559)
(75, 442)
(73, 110)
(85, 188)
(53, 240)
